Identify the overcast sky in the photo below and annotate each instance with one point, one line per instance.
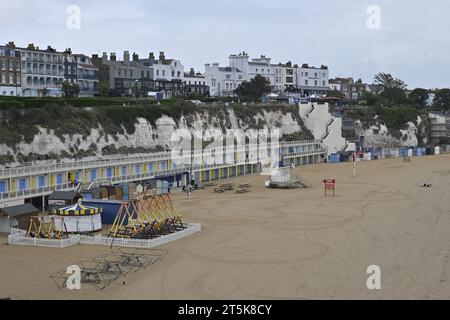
(412, 44)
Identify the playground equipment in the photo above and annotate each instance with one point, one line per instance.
(78, 219)
(330, 186)
(102, 271)
(46, 228)
(147, 218)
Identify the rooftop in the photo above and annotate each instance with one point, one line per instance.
(19, 210)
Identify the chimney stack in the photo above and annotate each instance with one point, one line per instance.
(162, 57)
(151, 56)
(113, 56)
(192, 72)
(105, 57)
(135, 57)
(126, 56)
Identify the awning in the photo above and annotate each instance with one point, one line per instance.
(77, 210)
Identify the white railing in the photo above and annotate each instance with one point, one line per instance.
(110, 161)
(248, 153)
(18, 237)
(141, 243)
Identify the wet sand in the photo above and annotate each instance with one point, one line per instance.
(283, 244)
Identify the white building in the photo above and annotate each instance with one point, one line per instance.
(42, 71)
(282, 77)
(195, 83)
(312, 80)
(168, 75)
(223, 81)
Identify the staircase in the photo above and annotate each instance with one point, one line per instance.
(82, 187)
(327, 131)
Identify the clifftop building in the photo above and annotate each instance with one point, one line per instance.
(168, 75)
(10, 71)
(42, 71)
(87, 75)
(305, 80)
(126, 77)
(195, 83)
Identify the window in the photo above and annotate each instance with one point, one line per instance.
(323, 83)
(173, 73)
(306, 82)
(315, 83)
(157, 72)
(228, 76)
(178, 74)
(316, 74)
(164, 73)
(306, 74)
(142, 74)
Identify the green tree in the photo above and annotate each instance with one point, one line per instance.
(103, 89)
(395, 95)
(70, 90)
(419, 96)
(372, 99)
(387, 81)
(442, 99)
(254, 89)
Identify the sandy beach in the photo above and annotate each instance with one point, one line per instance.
(283, 244)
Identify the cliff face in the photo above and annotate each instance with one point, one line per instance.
(65, 133)
(391, 127)
(84, 134)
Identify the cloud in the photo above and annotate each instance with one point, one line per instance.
(412, 42)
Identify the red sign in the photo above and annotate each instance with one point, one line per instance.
(330, 184)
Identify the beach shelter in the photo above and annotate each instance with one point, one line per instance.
(79, 218)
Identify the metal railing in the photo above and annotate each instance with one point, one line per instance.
(250, 158)
(32, 169)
